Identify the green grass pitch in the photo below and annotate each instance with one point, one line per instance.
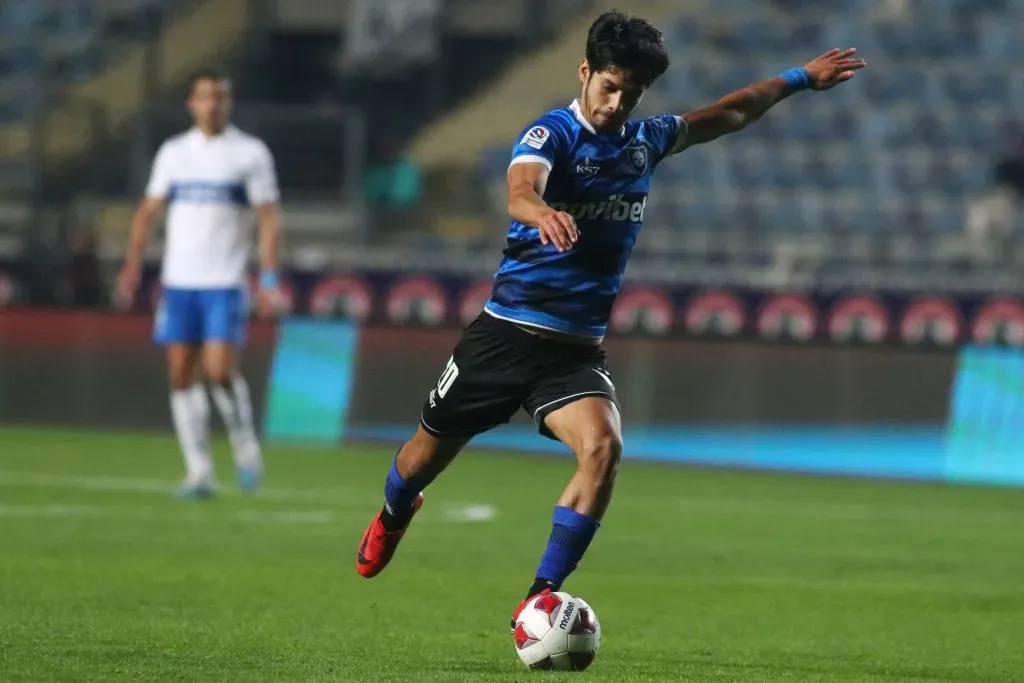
(696, 575)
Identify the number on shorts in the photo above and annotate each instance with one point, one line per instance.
(448, 377)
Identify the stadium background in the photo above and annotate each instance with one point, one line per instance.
(813, 293)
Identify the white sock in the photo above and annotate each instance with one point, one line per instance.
(235, 407)
(191, 412)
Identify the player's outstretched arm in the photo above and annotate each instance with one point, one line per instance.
(526, 184)
(739, 109)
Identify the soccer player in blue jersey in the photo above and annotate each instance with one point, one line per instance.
(577, 189)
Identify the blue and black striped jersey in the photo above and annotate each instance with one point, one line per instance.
(603, 181)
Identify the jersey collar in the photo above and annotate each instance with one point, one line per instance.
(578, 113)
(228, 131)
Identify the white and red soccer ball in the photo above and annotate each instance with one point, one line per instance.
(557, 631)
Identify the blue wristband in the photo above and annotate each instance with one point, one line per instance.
(798, 78)
(268, 279)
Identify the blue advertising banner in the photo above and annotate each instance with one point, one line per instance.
(985, 431)
(311, 381)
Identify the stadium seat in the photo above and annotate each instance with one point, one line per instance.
(56, 42)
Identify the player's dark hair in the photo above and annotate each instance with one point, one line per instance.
(632, 44)
(204, 74)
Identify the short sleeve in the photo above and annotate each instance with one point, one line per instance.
(159, 186)
(542, 142)
(664, 133)
(261, 183)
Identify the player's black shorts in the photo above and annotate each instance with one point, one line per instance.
(498, 367)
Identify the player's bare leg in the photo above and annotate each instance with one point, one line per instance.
(592, 428)
(419, 461)
(191, 413)
(231, 394)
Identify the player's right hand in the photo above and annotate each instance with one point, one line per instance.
(128, 283)
(558, 228)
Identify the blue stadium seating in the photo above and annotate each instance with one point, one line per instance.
(901, 148)
(51, 43)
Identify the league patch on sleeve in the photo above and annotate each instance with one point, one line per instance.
(536, 137)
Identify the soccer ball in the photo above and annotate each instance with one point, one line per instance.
(557, 631)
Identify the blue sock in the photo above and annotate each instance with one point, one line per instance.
(571, 534)
(399, 495)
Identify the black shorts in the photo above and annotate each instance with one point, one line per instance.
(498, 367)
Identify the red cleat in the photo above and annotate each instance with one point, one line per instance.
(378, 545)
(515, 615)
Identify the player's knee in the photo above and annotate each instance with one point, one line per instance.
(599, 457)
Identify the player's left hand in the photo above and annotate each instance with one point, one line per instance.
(268, 302)
(834, 67)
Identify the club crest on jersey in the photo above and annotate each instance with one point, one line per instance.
(536, 137)
(637, 156)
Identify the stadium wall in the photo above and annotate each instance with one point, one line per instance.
(101, 369)
(87, 370)
(860, 411)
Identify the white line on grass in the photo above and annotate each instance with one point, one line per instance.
(103, 484)
(45, 511)
(470, 513)
(16, 478)
(343, 500)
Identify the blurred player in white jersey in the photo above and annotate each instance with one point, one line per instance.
(208, 178)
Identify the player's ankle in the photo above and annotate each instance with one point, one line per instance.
(540, 585)
(393, 522)
(395, 519)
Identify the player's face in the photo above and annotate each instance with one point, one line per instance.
(609, 97)
(210, 104)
